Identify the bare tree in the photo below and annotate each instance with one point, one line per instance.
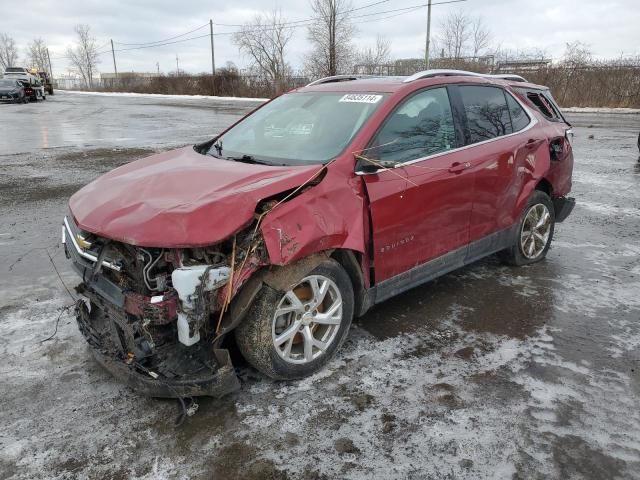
(480, 36)
(8, 51)
(577, 54)
(372, 58)
(84, 55)
(330, 35)
(457, 30)
(37, 55)
(264, 41)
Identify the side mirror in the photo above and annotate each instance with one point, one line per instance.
(366, 167)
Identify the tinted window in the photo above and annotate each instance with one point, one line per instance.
(519, 118)
(487, 113)
(421, 126)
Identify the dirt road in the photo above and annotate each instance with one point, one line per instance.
(489, 372)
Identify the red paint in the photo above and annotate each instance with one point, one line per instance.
(179, 198)
(397, 219)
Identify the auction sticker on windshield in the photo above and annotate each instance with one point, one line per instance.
(360, 98)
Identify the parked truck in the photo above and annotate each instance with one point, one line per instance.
(30, 79)
(46, 81)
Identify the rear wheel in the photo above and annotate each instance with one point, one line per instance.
(293, 334)
(534, 234)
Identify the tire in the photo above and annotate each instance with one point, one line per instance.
(266, 324)
(522, 252)
(25, 99)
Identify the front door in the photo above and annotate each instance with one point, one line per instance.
(420, 208)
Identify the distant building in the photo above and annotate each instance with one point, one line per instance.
(522, 64)
(109, 79)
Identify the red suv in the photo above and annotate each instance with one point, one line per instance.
(306, 213)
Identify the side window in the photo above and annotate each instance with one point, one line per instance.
(519, 118)
(487, 112)
(542, 104)
(421, 126)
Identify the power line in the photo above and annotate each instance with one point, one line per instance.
(292, 24)
(308, 21)
(311, 18)
(157, 45)
(166, 39)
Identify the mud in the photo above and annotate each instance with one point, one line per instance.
(489, 372)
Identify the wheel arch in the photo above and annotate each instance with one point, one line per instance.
(352, 262)
(545, 186)
(279, 277)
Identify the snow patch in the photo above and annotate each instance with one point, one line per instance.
(160, 95)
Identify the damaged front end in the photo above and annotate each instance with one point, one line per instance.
(152, 315)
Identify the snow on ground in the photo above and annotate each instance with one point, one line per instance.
(634, 111)
(491, 372)
(160, 96)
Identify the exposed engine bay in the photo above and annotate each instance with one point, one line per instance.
(157, 312)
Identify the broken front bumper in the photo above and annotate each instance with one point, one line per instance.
(118, 324)
(175, 371)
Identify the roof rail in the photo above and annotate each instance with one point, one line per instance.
(440, 73)
(460, 73)
(338, 78)
(508, 76)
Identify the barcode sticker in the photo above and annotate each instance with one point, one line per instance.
(361, 98)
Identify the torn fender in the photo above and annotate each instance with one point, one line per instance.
(533, 163)
(330, 215)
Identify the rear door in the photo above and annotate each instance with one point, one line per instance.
(421, 208)
(499, 142)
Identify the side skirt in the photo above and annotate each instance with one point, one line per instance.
(442, 265)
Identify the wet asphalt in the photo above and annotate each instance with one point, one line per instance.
(489, 372)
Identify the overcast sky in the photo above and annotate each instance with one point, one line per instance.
(610, 27)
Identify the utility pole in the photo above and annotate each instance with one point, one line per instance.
(50, 69)
(158, 67)
(177, 67)
(213, 56)
(213, 60)
(113, 54)
(428, 42)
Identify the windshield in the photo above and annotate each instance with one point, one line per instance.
(7, 83)
(298, 128)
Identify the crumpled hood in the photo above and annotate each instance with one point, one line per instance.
(179, 198)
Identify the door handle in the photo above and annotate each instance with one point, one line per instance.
(457, 167)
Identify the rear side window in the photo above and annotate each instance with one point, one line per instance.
(519, 118)
(542, 104)
(487, 112)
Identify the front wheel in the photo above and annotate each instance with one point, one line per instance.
(293, 334)
(534, 233)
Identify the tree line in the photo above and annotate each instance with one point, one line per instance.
(461, 41)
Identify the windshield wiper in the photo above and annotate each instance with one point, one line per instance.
(248, 159)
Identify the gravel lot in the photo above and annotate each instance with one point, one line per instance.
(489, 372)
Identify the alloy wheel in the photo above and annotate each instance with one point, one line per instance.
(307, 319)
(535, 232)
